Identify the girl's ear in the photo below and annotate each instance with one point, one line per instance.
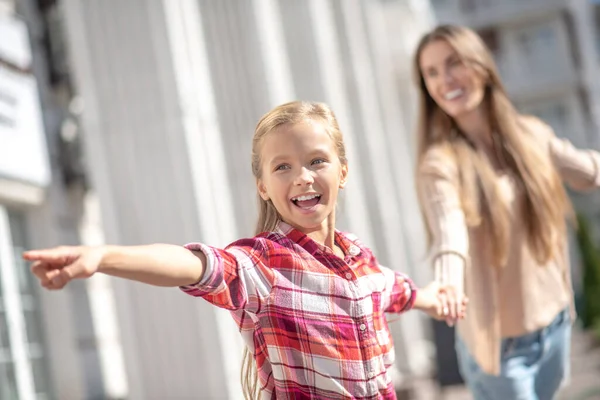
(262, 190)
(343, 175)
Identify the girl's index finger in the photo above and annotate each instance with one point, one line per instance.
(57, 255)
(36, 255)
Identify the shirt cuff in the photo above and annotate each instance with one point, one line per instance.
(410, 289)
(449, 269)
(206, 284)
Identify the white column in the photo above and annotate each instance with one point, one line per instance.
(376, 144)
(14, 315)
(274, 52)
(103, 308)
(333, 76)
(206, 155)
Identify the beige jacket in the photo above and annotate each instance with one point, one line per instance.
(522, 296)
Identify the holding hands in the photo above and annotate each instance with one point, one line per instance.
(167, 265)
(442, 302)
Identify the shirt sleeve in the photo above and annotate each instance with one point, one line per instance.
(234, 278)
(438, 192)
(578, 169)
(400, 291)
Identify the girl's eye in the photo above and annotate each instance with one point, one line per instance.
(318, 161)
(282, 167)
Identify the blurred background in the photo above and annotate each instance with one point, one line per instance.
(129, 122)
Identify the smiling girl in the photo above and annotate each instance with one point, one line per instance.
(309, 300)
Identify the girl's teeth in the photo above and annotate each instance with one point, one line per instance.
(304, 198)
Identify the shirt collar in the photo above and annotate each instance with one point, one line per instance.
(348, 246)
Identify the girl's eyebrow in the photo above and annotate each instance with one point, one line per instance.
(318, 151)
(278, 159)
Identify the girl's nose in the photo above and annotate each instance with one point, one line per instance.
(304, 177)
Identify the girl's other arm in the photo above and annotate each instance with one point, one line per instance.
(155, 264)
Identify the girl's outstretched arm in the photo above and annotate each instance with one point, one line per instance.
(155, 264)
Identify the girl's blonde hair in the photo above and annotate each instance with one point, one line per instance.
(546, 203)
(268, 217)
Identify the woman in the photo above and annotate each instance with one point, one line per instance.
(490, 183)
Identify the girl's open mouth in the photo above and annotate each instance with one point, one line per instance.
(307, 201)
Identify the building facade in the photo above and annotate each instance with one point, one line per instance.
(39, 341)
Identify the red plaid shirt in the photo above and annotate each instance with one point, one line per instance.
(314, 322)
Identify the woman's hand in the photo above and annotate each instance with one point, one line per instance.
(442, 302)
(454, 304)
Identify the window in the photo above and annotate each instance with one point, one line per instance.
(467, 5)
(8, 383)
(476, 5)
(537, 47)
(23, 371)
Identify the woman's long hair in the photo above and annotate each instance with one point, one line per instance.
(268, 217)
(546, 202)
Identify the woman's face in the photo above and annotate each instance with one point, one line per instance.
(453, 84)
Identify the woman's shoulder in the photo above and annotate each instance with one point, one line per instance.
(532, 121)
(438, 159)
(437, 152)
(536, 127)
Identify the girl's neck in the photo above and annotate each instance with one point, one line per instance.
(325, 234)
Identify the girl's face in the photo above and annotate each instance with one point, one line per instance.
(454, 85)
(301, 174)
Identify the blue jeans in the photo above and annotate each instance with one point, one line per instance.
(533, 366)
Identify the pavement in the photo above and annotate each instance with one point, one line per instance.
(584, 383)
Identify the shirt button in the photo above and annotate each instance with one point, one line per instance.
(348, 275)
(371, 375)
(354, 250)
(362, 327)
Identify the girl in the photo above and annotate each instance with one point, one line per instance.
(309, 300)
(491, 188)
